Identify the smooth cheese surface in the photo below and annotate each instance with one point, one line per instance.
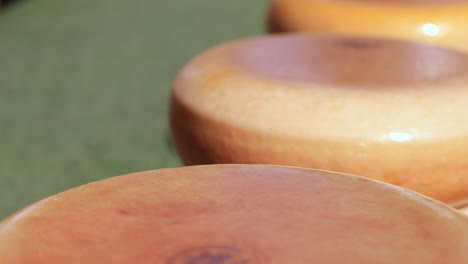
(346, 88)
(394, 111)
(434, 21)
(235, 214)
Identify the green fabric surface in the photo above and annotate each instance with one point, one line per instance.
(84, 85)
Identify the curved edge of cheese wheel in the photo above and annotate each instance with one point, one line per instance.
(440, 23)
(188, 195)
(225, 112)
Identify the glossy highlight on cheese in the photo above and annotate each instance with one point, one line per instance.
(433, 21)
(394, 111)
(238, 214)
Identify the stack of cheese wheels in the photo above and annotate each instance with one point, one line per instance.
(236, 214)
(389, 110)
(437, 21)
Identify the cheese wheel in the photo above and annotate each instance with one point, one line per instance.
(436, 21)
(390, 110)
(235, 214)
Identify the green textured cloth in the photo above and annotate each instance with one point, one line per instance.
(84, 85)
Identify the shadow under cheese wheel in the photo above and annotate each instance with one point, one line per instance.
(235, 214)
(389, 110)
(437, 21)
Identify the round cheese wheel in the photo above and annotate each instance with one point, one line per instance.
(235, 214)
(394, 111)
(437, 21)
